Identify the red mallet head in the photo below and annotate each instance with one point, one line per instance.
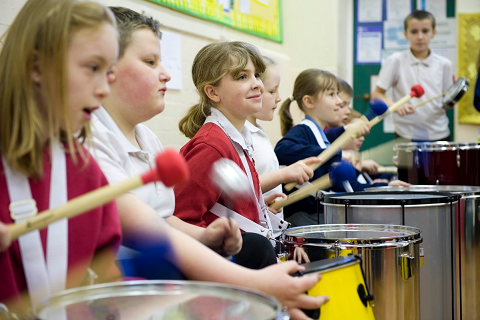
(171, 169)
(417, 91)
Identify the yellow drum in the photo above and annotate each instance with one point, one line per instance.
(343, 282)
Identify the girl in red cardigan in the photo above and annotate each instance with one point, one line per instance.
(227, 77)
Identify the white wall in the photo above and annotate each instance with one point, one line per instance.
(317, 33)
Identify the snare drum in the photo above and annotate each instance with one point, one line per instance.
(390, 260)
(160, 300)
(438, 163)
(431, 212)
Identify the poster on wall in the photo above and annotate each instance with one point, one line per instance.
(468, 51)
(258, 17)
(369, 45)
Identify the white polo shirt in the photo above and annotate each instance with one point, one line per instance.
(265, 159)
(119, 159)
(435, 74)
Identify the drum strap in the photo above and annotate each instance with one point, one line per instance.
(42, 279)
(265, 216)
(313, 127)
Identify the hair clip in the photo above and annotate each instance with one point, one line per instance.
(291, 98)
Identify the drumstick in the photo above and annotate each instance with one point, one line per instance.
(431, 99)
(376, 109)
(340, 173)
(390, 169)
(416, 91)
(170, 169)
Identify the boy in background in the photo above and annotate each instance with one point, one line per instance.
(417, 65)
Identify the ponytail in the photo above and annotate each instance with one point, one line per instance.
(286, 119)
(309, 82)
(194, 119)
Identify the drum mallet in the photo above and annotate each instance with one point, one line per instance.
(343, 172)
(171, 169)
(375, 110)
(416, 92)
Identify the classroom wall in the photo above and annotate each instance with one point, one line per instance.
(317, 33)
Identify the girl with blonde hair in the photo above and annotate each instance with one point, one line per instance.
(54, 65)
(227, 78)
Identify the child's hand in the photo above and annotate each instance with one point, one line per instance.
(299, 172)
(290, 291)
(399, 183)
(5, 240)
(223, 235)
(362, 128)
(269, 199)
(299, 254)
(405, 109)
(370, 166)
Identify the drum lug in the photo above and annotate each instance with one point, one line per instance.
(458, 158)
(364, 296)
(406, 263)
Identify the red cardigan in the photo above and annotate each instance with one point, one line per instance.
(194, 199)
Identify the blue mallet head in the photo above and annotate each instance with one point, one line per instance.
(376, 108)
(343, 172)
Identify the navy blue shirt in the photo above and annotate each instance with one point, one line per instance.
(476, 99)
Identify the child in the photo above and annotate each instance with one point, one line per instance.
(124, 147)
(227, 77)
(316, 93)
(56, 57)
(417, 65)
(266, 162)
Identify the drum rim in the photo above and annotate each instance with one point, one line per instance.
(289, 238)
(456, 92)
(87, 293)
(435, 146)
(341, 198)
(423, 188)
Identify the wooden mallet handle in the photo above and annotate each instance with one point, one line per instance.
(340, 173)
(323, 182)
(171, 169)
(416, 91)
(389, 169)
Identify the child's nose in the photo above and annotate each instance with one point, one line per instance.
(164, 75)
(103, 89)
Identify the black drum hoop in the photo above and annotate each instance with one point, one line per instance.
(390, 198)
(455, 92)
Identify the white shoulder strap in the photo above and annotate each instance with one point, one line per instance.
(313, 127)
(42, 279)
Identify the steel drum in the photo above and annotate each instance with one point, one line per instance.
(438, 163)
(467, 245)
(179, 300)
(433, 213)
(390, 261)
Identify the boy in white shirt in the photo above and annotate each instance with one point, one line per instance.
(417, 65)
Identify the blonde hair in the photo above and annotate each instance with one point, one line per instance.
(309, 82)
(210, 65)
(38, 39)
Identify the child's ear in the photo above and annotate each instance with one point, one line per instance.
(36, 73)
(212, 93)
(308, 102)
(112, 75)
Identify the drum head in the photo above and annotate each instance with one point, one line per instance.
(435, 146)
(161, 300)
(349, 236)
(463, 190)
(455, 92)
(389, 198)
